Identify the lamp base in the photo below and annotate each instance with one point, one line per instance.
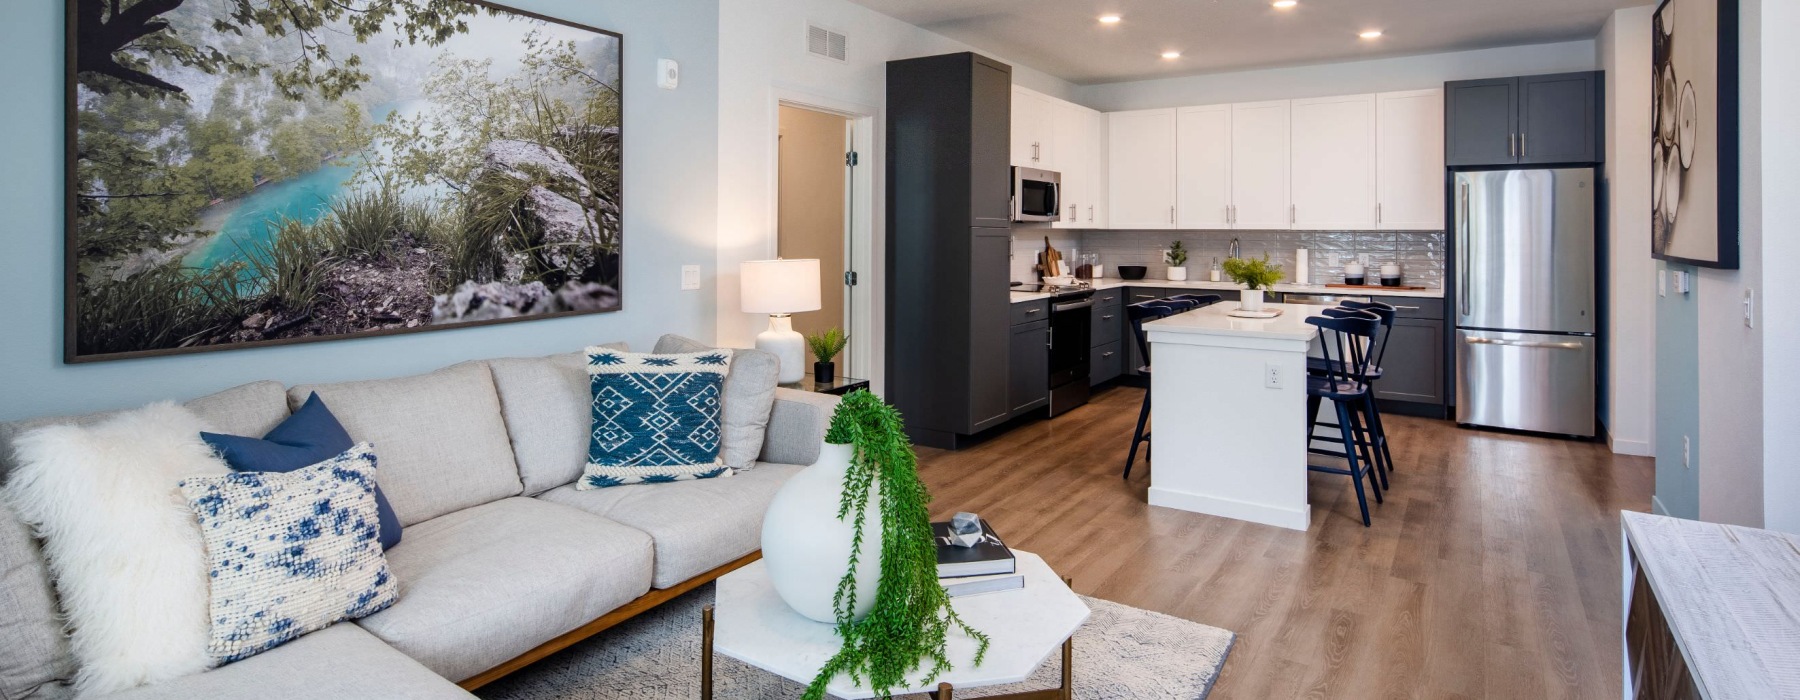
(785, 344)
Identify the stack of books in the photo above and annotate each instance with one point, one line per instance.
(987, 567)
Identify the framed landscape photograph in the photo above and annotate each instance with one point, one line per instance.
(1694, 133)
(244, 173)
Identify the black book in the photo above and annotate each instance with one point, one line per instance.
(988, 557)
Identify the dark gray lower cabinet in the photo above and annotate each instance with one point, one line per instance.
(1028, 386)
(1106, 362)
(1414, 364)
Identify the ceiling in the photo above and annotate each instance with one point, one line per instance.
(1064, 38)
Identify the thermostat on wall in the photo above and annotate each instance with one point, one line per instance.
(668, 74)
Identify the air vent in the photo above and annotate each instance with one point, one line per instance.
(825, 43)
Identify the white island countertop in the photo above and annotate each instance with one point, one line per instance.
(1202, 285)
(1217, 327)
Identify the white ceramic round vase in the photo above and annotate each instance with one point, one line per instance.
(1251, 300)
(1177, 274)
(806, 549)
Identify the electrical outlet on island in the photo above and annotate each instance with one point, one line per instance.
(1272, 376)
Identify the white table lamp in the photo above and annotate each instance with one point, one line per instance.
(781, 288)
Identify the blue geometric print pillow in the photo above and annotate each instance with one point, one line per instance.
(656, 417)
(290, 552)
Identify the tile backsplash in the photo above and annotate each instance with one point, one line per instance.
(1420, 253)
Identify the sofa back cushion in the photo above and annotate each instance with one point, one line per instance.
(439, 437)
(37, 662)
(748, 398)
(545, 401)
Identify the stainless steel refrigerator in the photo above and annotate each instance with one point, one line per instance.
(1524, 300)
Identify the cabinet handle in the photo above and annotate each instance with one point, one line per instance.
(1029, 312)
(1406, 308)
(1107, 317)
(1293, 215)
(1090, 212)
(1512, 145)
(1074, 213)
(1171, 215)
(1524, 151)
(1144, 296)
(1378, 212)
(1106, 355)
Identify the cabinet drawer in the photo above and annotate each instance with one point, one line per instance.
(1414, 307)
(1028, 311)
(1106, 362)
(1111, 297)
(1108, 324)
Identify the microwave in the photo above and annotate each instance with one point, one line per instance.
(1036, 195)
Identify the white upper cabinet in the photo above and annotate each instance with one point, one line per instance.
(1333, 171)
(1033, 130)
(1203, 167)
(1141, 150)
(1079, 141)
(1094, 212)
(1259, 165)
(1409, 160)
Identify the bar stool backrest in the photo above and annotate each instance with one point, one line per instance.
(1387, 313)
(1145, 311)
(1343, 339)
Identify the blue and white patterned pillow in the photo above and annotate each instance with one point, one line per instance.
(656, 417)
(290, 553)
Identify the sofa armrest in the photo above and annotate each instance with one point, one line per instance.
(797, 426)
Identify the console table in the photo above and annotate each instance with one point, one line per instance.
(1711, 611)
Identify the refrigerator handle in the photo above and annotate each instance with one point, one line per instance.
(1462, 245)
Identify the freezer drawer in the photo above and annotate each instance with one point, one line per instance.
(1525, 381)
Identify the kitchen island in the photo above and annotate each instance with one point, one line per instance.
(1228, 408)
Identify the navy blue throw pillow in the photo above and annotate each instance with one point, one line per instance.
(310, 436)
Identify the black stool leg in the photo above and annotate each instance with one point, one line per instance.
(1381, 434)
(1139, 436)
(1366, 451)
(1372, 444)
(1348, 429)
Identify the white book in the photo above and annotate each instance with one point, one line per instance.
(976, 585)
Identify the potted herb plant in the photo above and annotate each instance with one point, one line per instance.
(825, 348)
(1257, 276)
(1176, 257)
(848, 540)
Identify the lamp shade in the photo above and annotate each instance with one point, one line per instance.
(779, 286)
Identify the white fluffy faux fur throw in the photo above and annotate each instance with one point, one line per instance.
(124, 549)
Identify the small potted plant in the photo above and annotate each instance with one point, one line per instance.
(825, 348)
(1176, 257)
(1257, 276)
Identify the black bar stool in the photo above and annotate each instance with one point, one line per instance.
(1139, 314)
(1376, 438)
(1344, 344)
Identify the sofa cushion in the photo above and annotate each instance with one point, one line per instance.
(483, 585)
(340, 662)
(546, 402)
(38, 662)
(439, 436)
(656, 417)
(696, 525)
(797, 426)
(748, 397)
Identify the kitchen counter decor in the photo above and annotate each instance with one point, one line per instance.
(1257, 276)
(1176, 257)
(889, 608)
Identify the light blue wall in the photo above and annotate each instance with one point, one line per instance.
(1677, 397)
(671, 175)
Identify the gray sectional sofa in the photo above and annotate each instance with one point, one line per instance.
(503, 561)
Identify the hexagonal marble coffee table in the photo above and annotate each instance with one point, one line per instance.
(749, 622)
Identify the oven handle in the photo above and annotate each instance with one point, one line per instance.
(1060, 307)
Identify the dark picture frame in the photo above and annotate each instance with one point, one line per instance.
(593, 286)
(1677, 115)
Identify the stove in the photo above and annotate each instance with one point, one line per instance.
(1058, 292)
(1070, 332)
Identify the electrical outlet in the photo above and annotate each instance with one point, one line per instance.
(690, 276)
(1687, 453)
(1363, 258)
(1749, 308)
(1272, 376)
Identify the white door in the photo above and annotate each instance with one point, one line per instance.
(1409, 160)
(1094, 214)
(1074, 159)
(1333, 177)
(1203, 167)
(1259, 165)
(1141, 169)
(1033, 115)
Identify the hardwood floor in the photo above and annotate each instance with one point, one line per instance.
(1492, 571)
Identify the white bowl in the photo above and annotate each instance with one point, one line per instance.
(1060, 281)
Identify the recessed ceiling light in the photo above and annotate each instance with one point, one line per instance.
(1371, 34)
(1109, 19)
(1285, 4)
(1171, 54)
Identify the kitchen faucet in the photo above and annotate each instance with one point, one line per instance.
(1237, 249)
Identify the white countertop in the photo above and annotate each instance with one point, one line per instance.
(1213, 321)
(1116, 283)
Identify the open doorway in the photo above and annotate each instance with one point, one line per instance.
(815, 210)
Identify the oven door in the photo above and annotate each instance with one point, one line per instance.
(1037, 195)
(1071, 334)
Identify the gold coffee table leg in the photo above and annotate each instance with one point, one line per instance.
(706, 652)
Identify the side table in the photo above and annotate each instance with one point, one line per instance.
(837, 386)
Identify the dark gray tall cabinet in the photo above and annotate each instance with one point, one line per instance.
(949, 241)
(1530, 120)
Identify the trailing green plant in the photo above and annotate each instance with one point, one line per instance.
(1177, 255)
(826, 346)
(1254, 273)
(912, 617)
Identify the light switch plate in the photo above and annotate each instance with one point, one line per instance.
(668, 74)
(690, 276)
(1749, 308)
(1662, 283)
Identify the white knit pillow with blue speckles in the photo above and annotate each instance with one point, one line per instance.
(290, 553)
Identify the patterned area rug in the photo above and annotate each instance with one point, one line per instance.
(1121, 653)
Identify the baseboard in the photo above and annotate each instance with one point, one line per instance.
(1229, 508)
(1635, 448)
